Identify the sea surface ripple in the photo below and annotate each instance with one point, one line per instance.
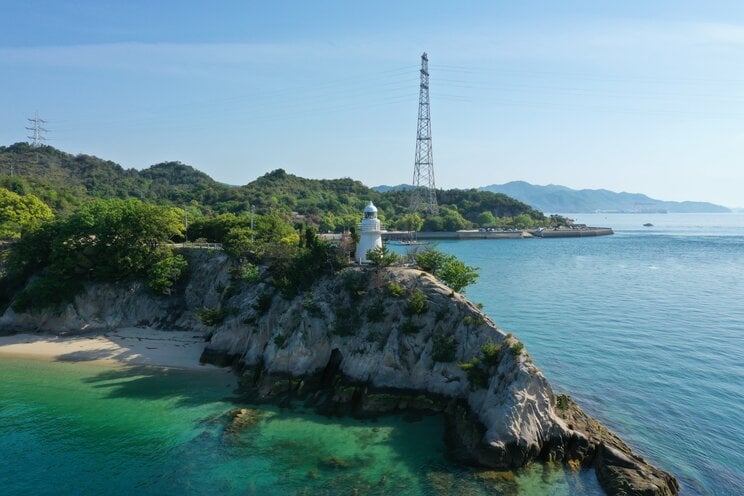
(644, 328)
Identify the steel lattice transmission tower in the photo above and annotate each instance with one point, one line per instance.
(424, 193)
(37, 138)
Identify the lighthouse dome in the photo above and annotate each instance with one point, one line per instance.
(370, 211)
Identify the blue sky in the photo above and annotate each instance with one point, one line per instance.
(636, 96)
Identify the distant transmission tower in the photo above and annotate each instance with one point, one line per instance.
(37, 138)
(423, 170)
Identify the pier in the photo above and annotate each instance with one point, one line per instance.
(505, 234)
(412, 236)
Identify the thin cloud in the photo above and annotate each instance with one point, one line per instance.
(126, 56)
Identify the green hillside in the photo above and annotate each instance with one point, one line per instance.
(64, 181)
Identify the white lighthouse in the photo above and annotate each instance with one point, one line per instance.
(370, 234)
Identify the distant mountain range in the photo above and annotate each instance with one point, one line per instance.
(554, 198)
(561, 199)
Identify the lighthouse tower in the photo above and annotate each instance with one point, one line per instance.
(370, 234)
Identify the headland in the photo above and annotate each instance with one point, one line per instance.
(363, 341)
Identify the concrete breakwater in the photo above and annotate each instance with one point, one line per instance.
(578, 232)
(572, 233)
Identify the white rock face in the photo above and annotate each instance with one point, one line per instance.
(515, 408)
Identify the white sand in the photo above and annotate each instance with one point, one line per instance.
(129, 346)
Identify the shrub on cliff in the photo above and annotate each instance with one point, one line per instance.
(517, 348)
(417, 303)
(490, 352)
(211, 316)
(376, 312)
(395, 290)
(382, 257)
(297, 267)
(443, 349)
(476, 372)
(408, 326)
(165, 273)
(46, 290)
(447, 268)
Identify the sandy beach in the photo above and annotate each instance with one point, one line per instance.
(129, 346)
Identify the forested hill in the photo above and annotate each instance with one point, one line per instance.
(63, 181)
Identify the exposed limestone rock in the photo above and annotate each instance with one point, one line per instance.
(619, 471)
(105, 307)
(352, 343)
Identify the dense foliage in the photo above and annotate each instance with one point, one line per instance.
(107, 240)
(382, 257)
(64, 181)
(20, 212)
(447, 268)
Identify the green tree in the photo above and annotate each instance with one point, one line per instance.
(410, 222)
(454, 221)
(164, 273)
(20, 212)
(115, 239)
(523, 220)
(455, 274)
(329, 223)
(447, 268)
(430, 260)
(275, 228)
(238, 244)
(102, 239)
(382, 257)
(214, 229)
(434, 223)
(486, 219)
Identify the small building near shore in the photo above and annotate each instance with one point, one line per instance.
(370, 234)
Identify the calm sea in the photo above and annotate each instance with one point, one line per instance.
(644, 328)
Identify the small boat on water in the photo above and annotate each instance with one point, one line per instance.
(648, 224)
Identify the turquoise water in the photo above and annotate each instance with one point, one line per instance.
(645, 329)
(88, 429)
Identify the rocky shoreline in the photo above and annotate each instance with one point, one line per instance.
(372, 342)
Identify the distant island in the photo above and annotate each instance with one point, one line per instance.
(555, 198)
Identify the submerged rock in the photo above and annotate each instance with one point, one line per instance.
(242, 419)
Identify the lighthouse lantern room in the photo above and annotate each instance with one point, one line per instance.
(370, 233)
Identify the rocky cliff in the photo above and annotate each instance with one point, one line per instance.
(370, 342)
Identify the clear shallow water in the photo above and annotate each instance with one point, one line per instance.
(83, 429)
(645, 329)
